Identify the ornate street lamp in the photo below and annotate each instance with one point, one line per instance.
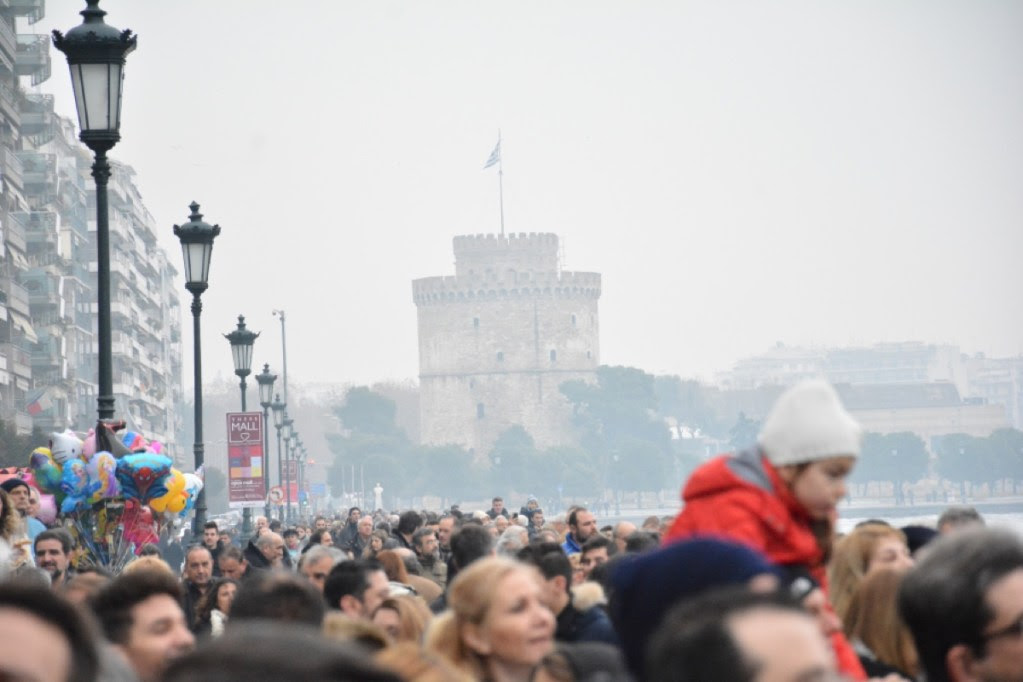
(266, 380)
(279, 406)
(286, 432)
(197, 246)
(96, 54)
(241, 340)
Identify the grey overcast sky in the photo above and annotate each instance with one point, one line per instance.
(740, 173)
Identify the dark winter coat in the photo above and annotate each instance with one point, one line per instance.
(591, 625)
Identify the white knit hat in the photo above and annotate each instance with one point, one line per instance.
(808, 423)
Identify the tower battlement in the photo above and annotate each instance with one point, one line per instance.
(511, 284)
(536, 251)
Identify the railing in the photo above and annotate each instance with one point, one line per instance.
(34, 10)
(9, 43)
(12, 167)
(33, 57)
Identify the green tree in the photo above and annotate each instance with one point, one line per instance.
(447, 472)
(744, 433)
(894, 457)
(689, 402)
(512, 460)
(367, 412)
(1005, 449)
(963, 459)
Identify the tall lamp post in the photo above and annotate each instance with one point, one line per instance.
(241, 340)
(278, 406)
(266, 380)
(286, 431)
(297, 456)
(197, 246)
(96, 54)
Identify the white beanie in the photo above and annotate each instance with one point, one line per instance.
(808, 423)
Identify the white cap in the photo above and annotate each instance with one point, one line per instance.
(808, 423)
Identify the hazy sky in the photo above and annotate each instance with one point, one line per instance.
(741, 173)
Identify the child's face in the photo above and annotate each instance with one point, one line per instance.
(821, 485)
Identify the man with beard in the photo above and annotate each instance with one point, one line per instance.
(424, 542)
(53, 553)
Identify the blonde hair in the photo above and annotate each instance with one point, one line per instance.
(873, 618)
(413, 664)
(147, 563)
(413, 616)
(470, 597)
(852, 558)
(340, 628)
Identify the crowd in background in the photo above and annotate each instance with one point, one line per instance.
(749, 582)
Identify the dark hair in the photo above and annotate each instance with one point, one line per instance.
(469, 543)
(598, 540)
(211, 524)
(231, 552)
(208, 601)
(550, 559)
(639, 541)
(942, 599)
(409, 521)
(316, 538)
(58, 534)
(694, 642)
(149, 549)
(348, 577)
(573, 518)
(960, 516)
(43, 604)
(282, 597)
(114, 602)
(290, 533)
(417, 537)
(259, 651)
(497, 499)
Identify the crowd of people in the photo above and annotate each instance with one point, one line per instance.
(749, 582)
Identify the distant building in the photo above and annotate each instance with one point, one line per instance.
(498, 338)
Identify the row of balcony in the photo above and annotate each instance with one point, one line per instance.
(33, 57)
(8, 46)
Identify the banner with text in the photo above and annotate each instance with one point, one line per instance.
(291, 472)
(245, 460)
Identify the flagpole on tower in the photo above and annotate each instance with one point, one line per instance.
(495, 158)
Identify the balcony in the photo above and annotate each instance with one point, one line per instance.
(10, 165)
(38, 121)
(33, 57)
(8, 46)
(17, 297)
(15, 234)
(33, 10)
(19, 361)
(39, 174)
(8, 101)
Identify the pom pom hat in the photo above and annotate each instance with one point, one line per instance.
(808, 423)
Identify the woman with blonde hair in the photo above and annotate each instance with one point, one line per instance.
(375, 544)
(868, 547)
(877, 632)
(403, 618)
(497, 627)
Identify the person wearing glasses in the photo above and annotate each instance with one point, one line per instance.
(963, 602)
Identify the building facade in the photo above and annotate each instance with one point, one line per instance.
(497, 339)
(48, 307)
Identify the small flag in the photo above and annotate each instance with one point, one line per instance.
(495, 156)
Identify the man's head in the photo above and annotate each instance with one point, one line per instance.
(582, 524)
(963, 601)
(141, 615)
(290, 539)
(365, 527)
(469, 543)
(271, 546)
(595, 551)
(955, 518)
(43, 637)
(320, 522)
(501, 524)
(445, 526)
(497, 504)
(261, 523)
(556, 570)
(623, 529)
(424, 541)
(281, 597)
(198, 565)
(316, 563)
(210, 535)
(409, 522)
(537, 518)
(53, 552)
(739, 636)
(232, 563)
(354, 514)
(17, 490)
(356, 587)
(225, 538)
(33, 502)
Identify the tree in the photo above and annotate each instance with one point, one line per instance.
(447, 472)
(963, 459)
(512, 461)
(1005, 449)
(689, 402)
(367, 412)
(896, 457)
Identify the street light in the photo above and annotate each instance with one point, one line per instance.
(287, 431)
(266, 380)
(96, 54)
(197, 247)
(241, 340)
(278, 406)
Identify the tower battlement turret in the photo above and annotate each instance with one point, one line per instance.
(535, 251)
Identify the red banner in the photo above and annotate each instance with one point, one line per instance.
(245, 459)
(291, 474)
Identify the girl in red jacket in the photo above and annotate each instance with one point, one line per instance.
(780, 498)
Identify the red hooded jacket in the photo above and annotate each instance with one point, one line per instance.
(742, 497)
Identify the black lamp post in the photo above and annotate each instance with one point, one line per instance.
(279, 406)
(241, 340)
(286, 432)
(297, 456)
(197, 246)
(96, 53)
(266, 380)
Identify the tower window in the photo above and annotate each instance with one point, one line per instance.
(573, 320)
(554, 356)
(476, 323)
(589, 355)
(500, 356)
(479, 410)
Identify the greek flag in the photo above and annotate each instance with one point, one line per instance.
(495, 156)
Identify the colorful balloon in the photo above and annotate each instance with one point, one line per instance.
(75, 486)
(142, 475)
(65, 446)
(174, 500)
(47, 509)
(102, 470)
(47, 472)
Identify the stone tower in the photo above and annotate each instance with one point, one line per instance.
(498, 338)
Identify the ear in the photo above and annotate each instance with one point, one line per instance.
(350, 606)
(961, 664)
(559, 583)
(473, 635)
